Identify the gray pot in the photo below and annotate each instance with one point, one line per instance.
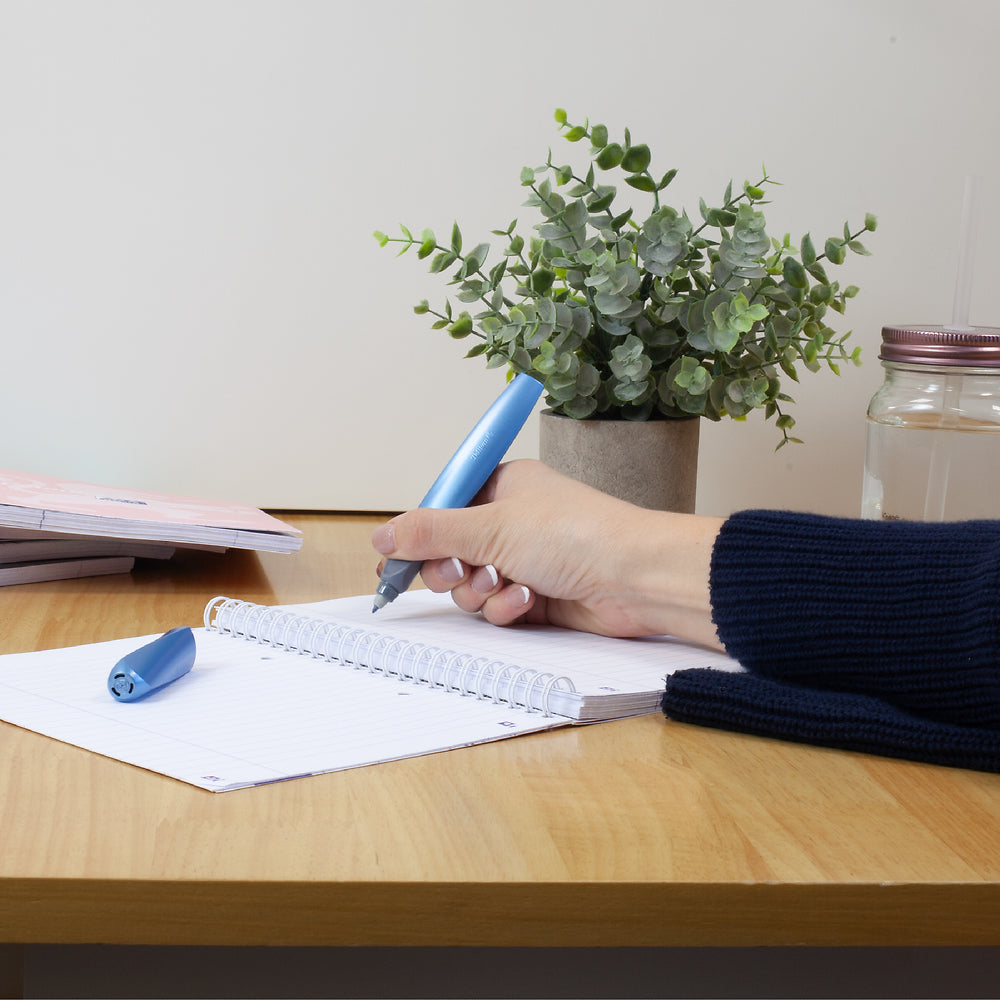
(652, 463)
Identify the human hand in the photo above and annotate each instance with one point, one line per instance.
(536, 546)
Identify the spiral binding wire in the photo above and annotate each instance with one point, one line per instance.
(390, 656)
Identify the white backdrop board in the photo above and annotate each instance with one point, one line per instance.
(190, 296)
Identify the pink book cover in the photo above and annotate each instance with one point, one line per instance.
(35, 492)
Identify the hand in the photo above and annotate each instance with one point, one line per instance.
(536, 546)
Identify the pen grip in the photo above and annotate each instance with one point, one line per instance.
(397, 575)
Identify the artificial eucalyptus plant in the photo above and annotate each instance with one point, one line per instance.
(651, 319)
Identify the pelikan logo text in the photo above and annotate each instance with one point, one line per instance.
(478, 450)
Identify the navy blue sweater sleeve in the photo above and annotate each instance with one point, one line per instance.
(901, 611)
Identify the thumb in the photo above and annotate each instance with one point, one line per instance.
(426, 533)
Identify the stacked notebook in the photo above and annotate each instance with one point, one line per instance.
(55, 529)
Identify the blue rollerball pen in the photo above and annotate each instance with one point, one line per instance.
(466, 472)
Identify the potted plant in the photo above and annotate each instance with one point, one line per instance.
(649, 322)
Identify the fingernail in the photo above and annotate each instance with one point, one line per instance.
(517, 597)
(384, 538)
(485, 579)
(451, 570)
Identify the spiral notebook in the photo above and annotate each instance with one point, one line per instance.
(288, 691)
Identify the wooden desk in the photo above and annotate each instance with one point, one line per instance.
(640, 832)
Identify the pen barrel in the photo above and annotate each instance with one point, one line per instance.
(481, 452)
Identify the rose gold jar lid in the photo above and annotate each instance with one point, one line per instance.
(972, 347)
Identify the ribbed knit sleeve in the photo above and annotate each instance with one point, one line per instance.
(904, 611)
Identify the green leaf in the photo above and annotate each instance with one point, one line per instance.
(427, 247)
(471, 291)
(807, 250)
(527, 176)
(835, 251)
(816, 270)
(599, 136)
(498, 271)
(601, 202)
(462, 327)
(541, 280)
(456, 239)
(423, 306)
(641, 182)
(476, 257)
(442, 262)
(610, 156)
(560, 116)
(788, 368)
(858, 247)
(794, 273)
(619, 220)
(666, 179)
(636, 159)
(381, 237)
(871, 222)
(546, 311)
(580, 408)
(575, 134)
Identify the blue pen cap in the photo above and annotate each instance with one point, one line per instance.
(153, 666)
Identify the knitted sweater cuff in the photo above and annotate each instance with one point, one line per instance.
(748, 704)
(903, 611)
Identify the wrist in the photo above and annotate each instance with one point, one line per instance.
(672, 582)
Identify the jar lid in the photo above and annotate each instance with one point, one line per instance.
(971, 347)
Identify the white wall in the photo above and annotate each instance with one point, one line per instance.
(190, 297)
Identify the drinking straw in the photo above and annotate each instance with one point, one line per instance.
(966, 256)
(941, 448)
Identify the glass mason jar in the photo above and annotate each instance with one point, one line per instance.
(933, 434)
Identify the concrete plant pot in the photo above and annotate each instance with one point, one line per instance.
(652, 463)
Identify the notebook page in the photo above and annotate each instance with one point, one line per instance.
(246, 714)
(612, 676)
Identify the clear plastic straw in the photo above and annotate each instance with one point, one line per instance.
(940, 465)
(966, 258)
